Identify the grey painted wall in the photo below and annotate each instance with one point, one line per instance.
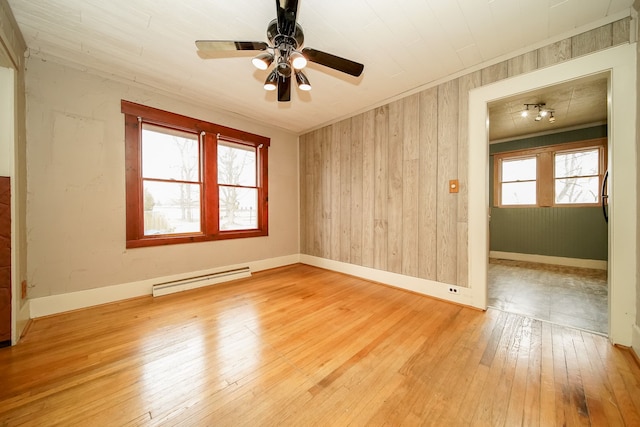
(579, 232)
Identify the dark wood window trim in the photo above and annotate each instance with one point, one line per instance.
(545, 171)
(135, 115)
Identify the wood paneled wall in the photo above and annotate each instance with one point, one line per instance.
(375, 187)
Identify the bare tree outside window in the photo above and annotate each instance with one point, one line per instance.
(174, 192)
(237, 186)
(171, 181)
(577, 177)
(188, 172)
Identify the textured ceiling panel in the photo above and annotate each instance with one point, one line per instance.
(404, 45)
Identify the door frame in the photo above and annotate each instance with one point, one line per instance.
(7, 168)
(620, 62)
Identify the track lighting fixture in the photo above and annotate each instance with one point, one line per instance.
(542, 112)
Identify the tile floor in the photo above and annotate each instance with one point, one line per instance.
(567, 296)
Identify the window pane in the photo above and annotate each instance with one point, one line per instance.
(519, 169)
(577, 190)
(171, 208)
(238, 208)
(577, 163)
(519, 193)
(236, 164)
(169, 154)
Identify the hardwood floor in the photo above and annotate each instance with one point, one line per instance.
(304, 346)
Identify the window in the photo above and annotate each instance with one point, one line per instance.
(191, 181)
(171, 181)
(237, 186)
(577, 176)
(559, 175)
(518, 181)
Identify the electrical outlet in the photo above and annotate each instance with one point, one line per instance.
(453, 290)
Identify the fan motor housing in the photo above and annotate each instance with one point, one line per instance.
(277, 39)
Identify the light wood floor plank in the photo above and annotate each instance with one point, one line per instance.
(301, 346)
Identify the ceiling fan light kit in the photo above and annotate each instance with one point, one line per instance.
(303, 81)
(286, 38)
(262, 61)
(272, 81)
(298, 61)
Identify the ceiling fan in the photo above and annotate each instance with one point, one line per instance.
(286, 37)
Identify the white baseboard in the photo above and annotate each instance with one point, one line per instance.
(54, 304)
(555, 260)
(431, 288)
(635, 341)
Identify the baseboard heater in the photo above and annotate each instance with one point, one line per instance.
(200, 281)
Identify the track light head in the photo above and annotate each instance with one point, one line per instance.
(542, 112)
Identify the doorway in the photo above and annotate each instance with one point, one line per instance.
(548, 238)
(620, 61)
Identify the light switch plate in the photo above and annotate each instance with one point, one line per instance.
(453, 186)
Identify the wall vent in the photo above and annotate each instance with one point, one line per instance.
(200, 281)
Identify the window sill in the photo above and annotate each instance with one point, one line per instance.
(176, 240)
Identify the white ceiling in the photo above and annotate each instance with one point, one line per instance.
(404, 45)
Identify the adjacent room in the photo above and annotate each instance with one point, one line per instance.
(319, 213)
(549, 237)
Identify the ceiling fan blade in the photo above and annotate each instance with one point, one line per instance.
(284, 89)
(228, 45)
(287, 10)
(332, 61)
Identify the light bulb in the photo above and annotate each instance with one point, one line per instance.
(298, 61)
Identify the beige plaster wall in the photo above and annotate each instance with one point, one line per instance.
(76, 187)
(12, 48)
